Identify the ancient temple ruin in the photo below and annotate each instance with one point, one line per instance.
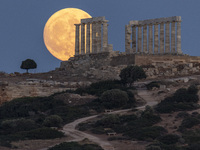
(153, 44)
(92, 41)
(153, 36)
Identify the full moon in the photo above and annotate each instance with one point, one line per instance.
(59, 32)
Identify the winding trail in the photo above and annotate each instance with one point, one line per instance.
(70, 129)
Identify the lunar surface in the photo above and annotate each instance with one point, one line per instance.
(59, 32)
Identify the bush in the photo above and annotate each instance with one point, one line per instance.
(182, 115)
(192, 136)
(153, 84)
(194, 146)
(183, 99)
(108, 121)
(43, 133)
(186, 95)
(99, 87)
(21, 107)
(189, 122)
(16, 125)
(75, 146)
(169, 139)
(153, 148)
(53, 121)
(98, 130)
(193, 89)
(114, 99)
(146, 133)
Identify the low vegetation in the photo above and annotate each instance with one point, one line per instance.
(75, 146)
(31, 118)
(131, 126)
(183, 99)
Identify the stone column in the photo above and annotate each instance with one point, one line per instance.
(94, 49)
(128, 39)
(173, 37)
(88, 39)
(82, 39)
(178, 44)
(105, 35)
(156, 41)
(145, 39)
(133, 39)
(162, 38)
(167, 38)
(139, 42)
(98, 36)
(77, 39)
(150, 40)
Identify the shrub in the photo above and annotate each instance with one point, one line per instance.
(182, 115)
(43, 133)
(183, 99)
(99, 87)
(98, 130)
(169, 139)
(153, 148)
(192, 136)
(114, 98)
(108, 121)
(194, 146)
(189, 122)
(193, 89)
(153, 84)
(146, 133)
(186, 95)
(75, 146)
(53, 121)
(16, 125)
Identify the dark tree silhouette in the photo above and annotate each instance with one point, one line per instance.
(130, 74)
(28, 64)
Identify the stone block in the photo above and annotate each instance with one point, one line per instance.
(174, 70)
(190, 65)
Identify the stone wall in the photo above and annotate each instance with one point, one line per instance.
(109, 65)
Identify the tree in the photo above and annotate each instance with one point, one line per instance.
(130, 74)
(53, 121)
(114, 98)
(28, 64)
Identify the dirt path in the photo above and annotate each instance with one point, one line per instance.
(148, 97)
(70, 129)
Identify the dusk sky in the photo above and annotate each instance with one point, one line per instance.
(22, 23)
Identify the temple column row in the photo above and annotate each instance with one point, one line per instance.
(160, 43)
(86, 40)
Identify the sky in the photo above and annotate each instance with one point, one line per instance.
(22, 23)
